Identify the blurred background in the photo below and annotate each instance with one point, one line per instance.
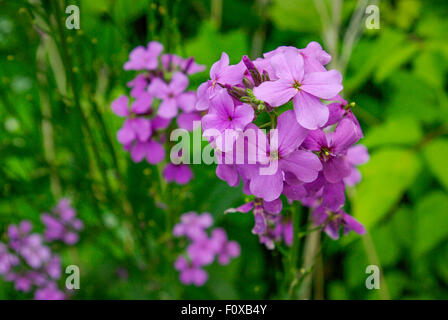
(57, 138)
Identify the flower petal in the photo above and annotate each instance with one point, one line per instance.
(290, 133)
(303, 164)
(142, 104)
(120, 106)
(242, 116)
(126, 134)
(324, 85)
(336, 169)
(138, 151)
(189, 121)
(357, 154)
(154, 152)
(142, 128)
(267, 187)
(275, 93)
(168, 108)
(186, 101)
(179, 82)
(311, 113)
(288, 65)
(158, 88)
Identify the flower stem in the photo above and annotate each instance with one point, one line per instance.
(294, 252)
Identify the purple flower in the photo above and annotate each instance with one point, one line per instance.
(139, 85)
(18, 233)
(266, 215)
(193, 225)
(333, 221)
(35, 253)
(172, 94)
(188, 120)
(62, 223)
(134, 129)
(180, 173)
(226, 250)
(150, 150)
(286, 156)
(7, 259)
(306, 89)
(356, 155)
(142, 58)
(333, 147)
(223, 114)
(49, 292)
(220, 73)
(202, 250)
(190, 274)
(188, 66)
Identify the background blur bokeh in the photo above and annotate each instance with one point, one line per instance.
(397, 75)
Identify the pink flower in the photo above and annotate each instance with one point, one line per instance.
(302, 164)
(144, 58)
(172, 94)
(306, 89)
(150, 150)
(180, 173)
(220, 73)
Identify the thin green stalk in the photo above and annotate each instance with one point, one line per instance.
(294, 252)
(47, 126)
(77, 101)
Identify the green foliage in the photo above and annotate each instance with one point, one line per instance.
(431, 227)
(388, 174)
(207, 53)
(436, 153)
(397, 75)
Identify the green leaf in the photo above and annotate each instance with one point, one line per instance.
(409, 94)
(431, 224)
(296, 15)
(124, 11)
(385, 178)
(57, 66)
(369, 55)
(394, 60)
(436, 154)
(387, 248)
(396, 131)
(233, 43)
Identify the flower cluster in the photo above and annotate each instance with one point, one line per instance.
(28, 261)
(270, 225)
(309, 154)
(158, 95)
(62, 224)
(202, 248)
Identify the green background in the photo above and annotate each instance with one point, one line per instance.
(57, 137)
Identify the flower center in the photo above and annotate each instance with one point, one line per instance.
(296, 85)
(274, 155)
(326, 153)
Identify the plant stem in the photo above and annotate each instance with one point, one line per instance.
(294, 252)
(309, 254)
(372, 256)
(47, 127)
